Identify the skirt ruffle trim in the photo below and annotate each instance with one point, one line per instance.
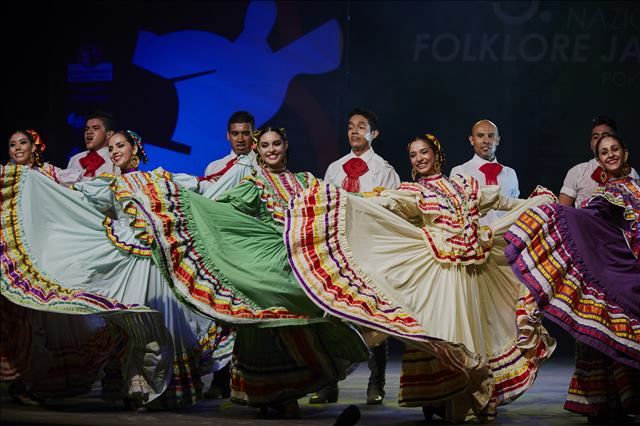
(542, 254)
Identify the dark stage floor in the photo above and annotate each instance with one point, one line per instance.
(541, 405)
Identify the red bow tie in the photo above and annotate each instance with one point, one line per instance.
(491, 172)
(91, 162)
(354, 168)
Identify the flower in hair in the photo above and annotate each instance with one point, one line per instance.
(137, 140)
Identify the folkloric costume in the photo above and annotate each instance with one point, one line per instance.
(414, 263)
(63, 321)
(582, 267)
(92, 163)
(215, 171)
(228, 260)
(490, 173)
(101, 264)
(362, 173)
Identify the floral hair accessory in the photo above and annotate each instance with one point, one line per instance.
(433, 139)
(37, 140)
(40, 146)
(137, 140)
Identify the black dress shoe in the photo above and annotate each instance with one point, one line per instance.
(284, 410)
(131, 404)
(377, 366)
(375, 395)
(325, 395)
(428, 413)
(217, 392)
(288, 410)
(19, 393)
(220, 385)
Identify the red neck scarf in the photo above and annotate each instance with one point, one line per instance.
(491, 172)
(91, 162)
(354, 168)
(599, 175)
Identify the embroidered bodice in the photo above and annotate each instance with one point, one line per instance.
(267, 196)
(625, 194)
(448, 212)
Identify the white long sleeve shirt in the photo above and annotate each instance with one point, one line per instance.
(380, 172)
(219, 165)
(107, 167)
(507, 180)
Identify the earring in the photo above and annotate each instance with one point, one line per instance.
(438, 166)
(413, 174)
(626, 169)
(133, 163)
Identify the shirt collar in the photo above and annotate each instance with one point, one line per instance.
(480, 161)
(104, 152)
(365, 157)
(251, 154)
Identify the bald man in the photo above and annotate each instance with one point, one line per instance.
(484, 166)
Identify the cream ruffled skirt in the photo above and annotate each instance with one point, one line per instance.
(367, 265)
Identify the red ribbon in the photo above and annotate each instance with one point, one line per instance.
(91, 162)
(354, 168)
(491, 172)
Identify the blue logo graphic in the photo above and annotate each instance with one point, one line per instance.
(214, 77)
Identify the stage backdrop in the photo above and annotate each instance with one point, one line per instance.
(175, 71)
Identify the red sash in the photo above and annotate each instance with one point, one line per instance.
(217, 175)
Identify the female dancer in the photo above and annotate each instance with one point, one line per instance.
(59, 330)
(415, 263)
(227, 258)
(582, 267)
(101, 262)
(26, 149)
